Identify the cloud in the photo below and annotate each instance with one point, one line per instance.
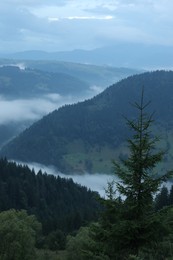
(95, 90)
(107, 17)
(32, 3)
(72, 24)
(96, 182)
(23, 110)
(19, 110)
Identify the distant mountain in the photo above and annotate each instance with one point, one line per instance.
(93, 75)
(87, 135)
(31, 83)
(133, 55)
(37, 80)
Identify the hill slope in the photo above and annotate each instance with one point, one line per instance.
(29, 83)
(91, 74)
(87, 135)
(26, 83)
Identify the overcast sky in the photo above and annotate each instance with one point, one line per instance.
(56, 25)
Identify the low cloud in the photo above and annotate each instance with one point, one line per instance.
(19, 110)
(96, 89)
(23, 110)
(95, 182)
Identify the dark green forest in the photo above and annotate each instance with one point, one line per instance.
(86, 136)
(58, 203)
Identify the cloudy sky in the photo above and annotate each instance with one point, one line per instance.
(57, 25)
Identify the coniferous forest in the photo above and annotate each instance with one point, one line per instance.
(48, 217)
(60, 205)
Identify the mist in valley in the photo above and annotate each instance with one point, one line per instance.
(96, 181)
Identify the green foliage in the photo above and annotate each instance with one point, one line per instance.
(56, 240)
(18, 233)
(83, 247)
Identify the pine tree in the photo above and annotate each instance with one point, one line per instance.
(138, 183)
(128, 226)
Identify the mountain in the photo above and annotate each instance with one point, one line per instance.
(133, 55)
(24, 84)
(93, 75)
(86, 136)
(29, 83)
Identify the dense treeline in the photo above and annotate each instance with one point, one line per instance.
(81, 135)
(58, 203)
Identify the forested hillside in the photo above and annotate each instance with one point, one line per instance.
(87, 135)
(38, 87)
(91, 74)
(29, 83)
(58, 203)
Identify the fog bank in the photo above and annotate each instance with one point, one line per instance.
(95, 182)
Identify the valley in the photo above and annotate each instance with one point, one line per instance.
(31, 89)
(87, 136)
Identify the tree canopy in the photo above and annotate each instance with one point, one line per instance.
(18, 232)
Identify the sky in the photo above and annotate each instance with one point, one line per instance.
(61, 25)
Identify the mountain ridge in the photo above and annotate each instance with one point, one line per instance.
(135, 55)
(86, 136)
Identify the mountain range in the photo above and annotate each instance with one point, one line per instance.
(89, 74)
(86, 136)
(133, 55)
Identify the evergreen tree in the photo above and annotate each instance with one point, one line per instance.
(162, 199)
(128, 226)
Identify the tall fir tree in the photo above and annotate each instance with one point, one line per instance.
(128, 226)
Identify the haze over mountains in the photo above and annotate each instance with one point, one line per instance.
(123, 54)
(86, 136)
(31, 89)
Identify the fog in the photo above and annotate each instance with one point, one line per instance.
(18, 110)
(96, 182)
